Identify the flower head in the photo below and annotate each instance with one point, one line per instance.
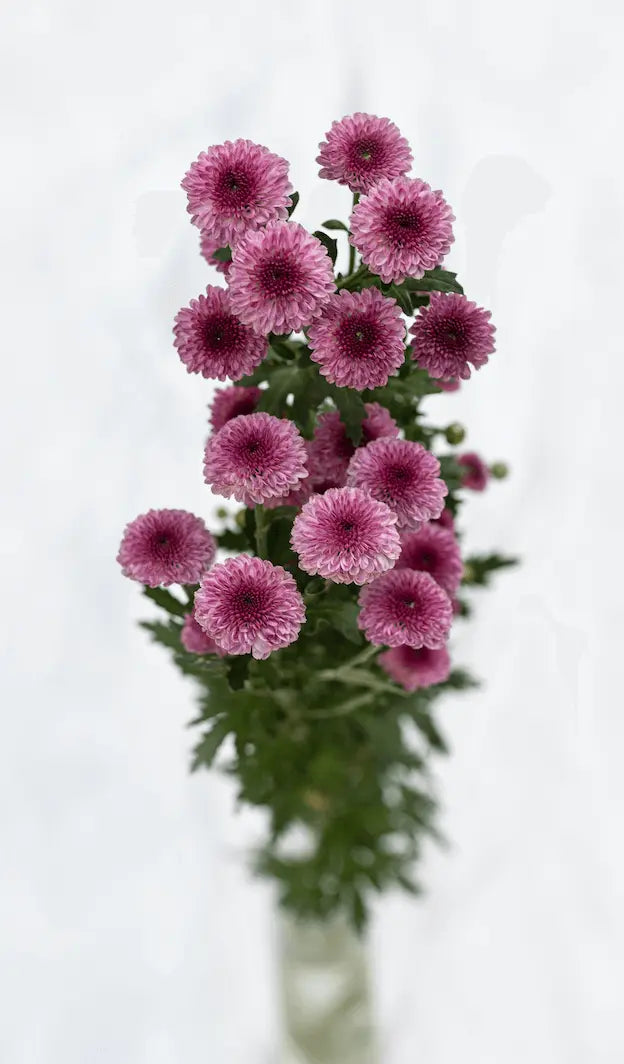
(402, 474)
(235, 187)
(247, 605)
(230, 402)
(449, 334)
(405, 607)
(166, 547)
(208, 246)
(212, 341)
(358, 339)
(331, 449)
(361, 149)
(475, 472)
(195, 640)
(434, 550)
(280, 278)
(255, 457)
(416, 668)
(402, 228)
(451, 385)
(446, 519)
(345, 536)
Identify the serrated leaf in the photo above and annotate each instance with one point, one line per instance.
(403, 298)
(168, 635)
(282, 383)
(351, 408)
(166, 601)
(294, 200)
(342, 616)
(222, 254)
(237, 670)
(437, 280)
(330, 245)
(208, 746)
(333, 223)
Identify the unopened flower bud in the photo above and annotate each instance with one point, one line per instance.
(499, 470)
(455, 433)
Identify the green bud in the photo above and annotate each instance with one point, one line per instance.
(468, 575)
(499, 470)
(455, 433)
(240, 518)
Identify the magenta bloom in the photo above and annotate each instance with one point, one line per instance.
(405, 607)
(451, 385)
(330, 451)
(361, 149)
(195, 640)
(235, 187)
(358, 339)
(402, 474)
(416, 668)
(280, 278)
(166, 547)
(476, 474)
(345, 536)
(434, 550)
(249, 605)
(449, 334)
(255, 457)
(207, 247)
(402, 228)
(446, 519)
(231, 402)
(212, 341)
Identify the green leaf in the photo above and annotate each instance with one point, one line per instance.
(166, 601)
(403, 298)
(237, 670)
(230, 540)
(208, 746)
(337, 609)
(168, 635)
(330, 245)
(222, 254)
(294, 200)
(352, 410)
(333, 223)
(478, 568)
(282, 383)
(437, 280)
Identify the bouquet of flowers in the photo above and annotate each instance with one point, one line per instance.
(319, 639)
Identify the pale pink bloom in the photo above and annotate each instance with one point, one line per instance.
(166, 547)
(413, 669)
(450, 334)
(358, 339)
(208, 246)
(405, 607)
(195, 640)
(476, 474)
(434, 550)
(231, 402)
(330, 450)
(212, 341)
(404, 475)
(255, 457)
(360, 149)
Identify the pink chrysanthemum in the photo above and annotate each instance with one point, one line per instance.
(451, 385)
(231, 402)
(255, 457)
(346, 536)
(249, 605)
(166, 547)
(331, 449)
(434, 550)
(449, 334)
(212, 341)
(208, 246)
(413, 668)
(280, 278)
(402, 474)
(446, 519)
(358, 339)
(361, 149)
(195, 640)
(476, 474)
(402, 228)
(405, 607)
(236, 187)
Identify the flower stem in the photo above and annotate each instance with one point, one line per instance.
(341, 710)
(356, 197)
(261, 532)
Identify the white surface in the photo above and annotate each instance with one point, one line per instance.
(130, 931)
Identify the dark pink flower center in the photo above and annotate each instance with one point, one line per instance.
(222, 332)
(279, 277)
(403, 226)
(236, 189)
(365, 154)
(165, 545)
(357, 338)
(450, 333)
(248, 605)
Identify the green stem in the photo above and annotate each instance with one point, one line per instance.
(261, 531)
(365, 655)
(341, 710)
(352, 280)
(356, 197)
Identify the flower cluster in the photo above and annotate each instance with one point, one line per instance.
(340, 452)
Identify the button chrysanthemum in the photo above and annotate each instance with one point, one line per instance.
(212, 341)
(357, 339)
(236, 187)
(449, 334)
(280, 278)
(413, 668)
(404, 475)
(330, 450)
(248, 605)
(165, 547)
(402, 228)
(475, 473)
(360, 149)
(434, 550)
(195, 640)
(405, 607)
(255, 457)
(231, 402)
(345, 536)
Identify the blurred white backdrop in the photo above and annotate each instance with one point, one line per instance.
(130, 932)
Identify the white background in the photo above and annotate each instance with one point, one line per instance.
(130, 931)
